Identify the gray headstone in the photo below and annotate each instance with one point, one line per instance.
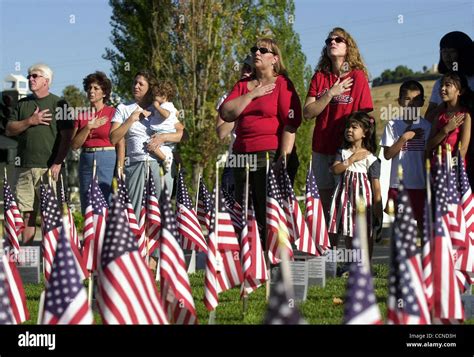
(330, 263)
(317, 271)
(468, 302)
(29, 264)
(299, 277)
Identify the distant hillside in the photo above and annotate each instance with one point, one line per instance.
(385, 95)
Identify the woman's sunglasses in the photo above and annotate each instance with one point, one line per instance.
(338, 39)
(262, 50)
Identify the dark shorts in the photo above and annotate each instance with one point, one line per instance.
(417, 200)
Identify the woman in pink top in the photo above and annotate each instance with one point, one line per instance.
(91, 133)
(339, 87)
(267, 112)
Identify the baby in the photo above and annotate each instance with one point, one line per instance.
(163, 121)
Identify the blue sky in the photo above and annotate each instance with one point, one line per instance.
(71, 36)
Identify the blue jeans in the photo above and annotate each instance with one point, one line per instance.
(105, 166)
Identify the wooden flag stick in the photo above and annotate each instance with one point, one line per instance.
(5, 173)
(267, 283)
(94, 168)
(197, 190)
(212, 314)
(147, 178)
(246, 207)
(362, 230)
(192, 261)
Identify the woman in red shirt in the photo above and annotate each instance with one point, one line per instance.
(91, 133)
(267, 112)
(338, 88)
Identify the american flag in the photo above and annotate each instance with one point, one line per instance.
(458, 229)
(204, 206)
(253, 260)
(72, 226)
(65, 300)
(223, 267)
(406, 300)
(314, 216)
(299, 232)
(427, 243)
(457, 223)
(279, 311)
(187, 221)
(360, 305)
(447, 306)
(276, 220)
(466, 259)
(229, 268)
(176, 296)
(142, 228)
(14, 224)
(6, 316)
(94, 225)
(51, 227)
(16, 294)
(235, 210)
(153, 216)
(126, 289)
(211, 296)
(128, 208)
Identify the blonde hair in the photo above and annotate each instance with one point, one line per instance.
(44, 69)
(279, 66)
(353, 57)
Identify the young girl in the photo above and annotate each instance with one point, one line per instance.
(360, 171)
(453, 124)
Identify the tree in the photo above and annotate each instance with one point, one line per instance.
(74, 96)
(198, 45)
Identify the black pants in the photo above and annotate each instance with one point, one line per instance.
(258, 184)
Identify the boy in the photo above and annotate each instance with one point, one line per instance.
(404, 141)
(163, 121)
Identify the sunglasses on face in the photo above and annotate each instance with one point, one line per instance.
(34, 76)
(262, 50)
(338, 39)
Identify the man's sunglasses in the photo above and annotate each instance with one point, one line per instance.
(34, 76)
(338, 39)
(262, 50)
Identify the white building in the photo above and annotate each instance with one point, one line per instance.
(16, 82)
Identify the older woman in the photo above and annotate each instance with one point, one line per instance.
(131, 123)
(91, 133)
(267, 112)
(338, 88)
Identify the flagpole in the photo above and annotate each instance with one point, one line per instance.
(267, 283)
(246, 207)
(147, 178)
(192, 260)
(90, 285)
(212, 314)
(362, 230)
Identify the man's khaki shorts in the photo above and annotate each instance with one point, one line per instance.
(27, 187)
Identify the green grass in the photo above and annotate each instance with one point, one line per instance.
(317, 309)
